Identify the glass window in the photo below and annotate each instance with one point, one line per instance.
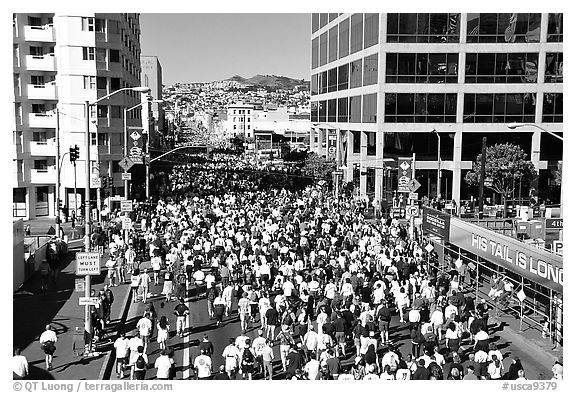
(356, 142)
(552, 108)
(555, 29)
(114, 84)
(88, 53)
(369, 108)
(343, 110)
(101, 55)
(322, 111)
(420, 108)
(332, 16)
(89, 82)
(356, 73)
(332, 80)
(355, 109)
(371, 29)
(315, 22)
(343, 77)
(554, 67)
(422, 67)
(499, 108)
(323, 48)
(323, 20)
(314, 84)
(114, 56)
(332, 111)
(370, 143)
(116, 111)
(506, 27)
(100, 25)
(371, 69)
(344, 38)
(501, 67)
(103, 111)
(315, 52)
(87, 24)
(356, 30)
(333, 44)
(101, 83)
(314, 111)
(425, 28)
(323, 82)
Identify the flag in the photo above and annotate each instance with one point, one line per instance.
(510, 33)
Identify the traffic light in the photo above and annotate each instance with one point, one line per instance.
(74, 153)
(110, 181)
(105, 182)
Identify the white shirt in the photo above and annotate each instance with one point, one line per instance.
(134, 343)
(20, 365)
(163, 364)
(48, 335)
(203, 364)
(144, 326)
(122, 346)
(311, 368)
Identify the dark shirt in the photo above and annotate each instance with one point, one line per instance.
(340, 324)
(294, 362)
(421, 374)
(333, 365)
(221, 376)
(271, 317)
(366, 294)
(207, 346)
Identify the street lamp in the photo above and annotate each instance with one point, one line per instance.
(439, 173)
(513, 126)
(87, 226)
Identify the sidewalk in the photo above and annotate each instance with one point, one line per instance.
(59, 307)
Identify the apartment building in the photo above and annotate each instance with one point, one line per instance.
(61, 61)
(152, 78)
(381, 83)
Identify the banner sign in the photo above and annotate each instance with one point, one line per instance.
(332, 141)
(404, 174)
(538, 265)
(436, 222)
(135, 145)
(554, 224)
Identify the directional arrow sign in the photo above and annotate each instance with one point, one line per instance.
(126, 163)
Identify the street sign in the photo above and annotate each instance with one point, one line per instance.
(429, 248)
(413, 211)
(126, 223)
(115, 198)
(87, 301)
(135, 135)
(413, 196)
(126, 176)
(554, 224)
(521, 295)
(414, 185)
(126, 163)
(87, 263)
(126, 205)
(79, 285)
(558, 247)
(404, 174)
(95, 181)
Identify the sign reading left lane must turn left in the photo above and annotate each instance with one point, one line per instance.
(87, 263)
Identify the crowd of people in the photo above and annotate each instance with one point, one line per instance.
(336, 292)
(324, 292)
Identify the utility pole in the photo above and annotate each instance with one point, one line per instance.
(57, 172)
(87, 285)
(481, 185)
(412, 229)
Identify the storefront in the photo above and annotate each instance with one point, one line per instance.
(536, 273)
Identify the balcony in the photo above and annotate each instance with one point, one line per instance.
(43, 176)
(43, 148)
(46, 91)
(42, 120)
(43, 33)
(41, 63)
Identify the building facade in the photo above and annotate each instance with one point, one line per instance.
(61, 61)
(152, 78)
(381, 83)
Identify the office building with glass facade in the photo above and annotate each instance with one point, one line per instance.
(380, 83)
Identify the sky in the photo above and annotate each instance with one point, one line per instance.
(209, 47)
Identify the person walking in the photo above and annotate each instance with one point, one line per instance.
(181, 311)
(163, 330)
(122, 347)
(145, 285)
(135, 284)
(144, 327)
(48, 341)
(44, 270)
(163, 364)
(203, 366)
(19, 365)
(139, 364)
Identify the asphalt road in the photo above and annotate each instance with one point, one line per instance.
(186, 348)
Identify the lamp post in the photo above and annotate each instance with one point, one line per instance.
(439, 173)
(87, 286)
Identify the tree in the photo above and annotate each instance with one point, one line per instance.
(505, 164)
(557, 175)
(318, 167)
